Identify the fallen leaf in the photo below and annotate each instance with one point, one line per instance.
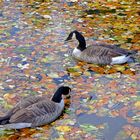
(63, 128)
(137, 104)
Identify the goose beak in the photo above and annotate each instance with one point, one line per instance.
(69, 37)
(68, 40)
(68, 96)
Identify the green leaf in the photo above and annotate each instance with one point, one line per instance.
(88, 127)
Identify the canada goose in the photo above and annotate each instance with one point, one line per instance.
(99, 54)
(35, 111)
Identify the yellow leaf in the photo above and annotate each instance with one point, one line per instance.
(61, 138)
(8, 96)
(137, 104)
(63, 128)
(134, 137)
(119, 68)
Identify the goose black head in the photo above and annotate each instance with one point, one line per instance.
(63, 90)
(80, 38)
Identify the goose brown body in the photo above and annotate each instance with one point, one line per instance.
(34, 110)
(101, 54)
(38, 113)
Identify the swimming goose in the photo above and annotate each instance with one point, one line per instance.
(35, 111)
(99, 54)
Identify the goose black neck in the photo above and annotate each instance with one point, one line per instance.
(81, 40)
(57, 97)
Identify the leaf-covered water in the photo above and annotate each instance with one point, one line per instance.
(35, 60)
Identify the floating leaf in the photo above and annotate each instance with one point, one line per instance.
(119, 68)
(134, 137)
(136, 118)
(63, 128)
(88, 127)
(73, 69)
(137, 104)
(53, 75)
(8, 132)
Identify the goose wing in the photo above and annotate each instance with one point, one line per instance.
(27, 101)
(101, 54)
(117, 49)
(106, 50)
(38, 114)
